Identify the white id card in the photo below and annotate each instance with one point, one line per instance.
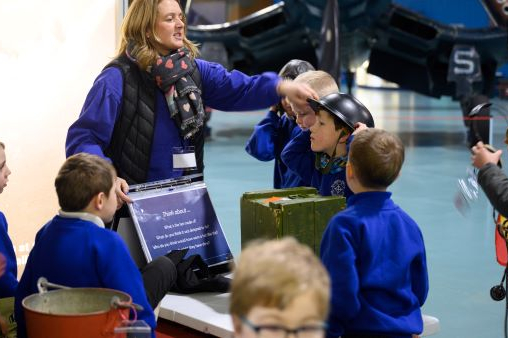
(184, 158)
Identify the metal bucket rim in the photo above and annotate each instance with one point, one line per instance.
(26, 308)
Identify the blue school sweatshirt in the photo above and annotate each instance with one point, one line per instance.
(9, 281)
(80, 253)
(268, 139)
(375, 255)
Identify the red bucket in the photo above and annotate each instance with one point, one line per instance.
(75, 312)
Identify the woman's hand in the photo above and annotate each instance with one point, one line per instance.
(481, 155)
(359, 127)
(296, 93)
(121, 189)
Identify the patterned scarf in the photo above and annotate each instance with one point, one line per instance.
(172, 73)
(326, 165)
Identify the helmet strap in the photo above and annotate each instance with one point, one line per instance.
(326, 164)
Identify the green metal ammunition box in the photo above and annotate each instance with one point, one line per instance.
(299, 212)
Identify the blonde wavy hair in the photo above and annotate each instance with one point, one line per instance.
(140, 19)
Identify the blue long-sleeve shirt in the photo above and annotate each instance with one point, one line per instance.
(299, 158)
(79, 253)
(9, 281)
(221, 89)
(268, 139)
(375, 255)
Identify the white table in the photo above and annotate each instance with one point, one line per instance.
(209, 313)
(205, 312)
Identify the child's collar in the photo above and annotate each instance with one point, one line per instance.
(85, 216)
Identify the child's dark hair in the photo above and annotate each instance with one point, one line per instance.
(376, 156)
(339, 124)
(80, 178)
(294, 68)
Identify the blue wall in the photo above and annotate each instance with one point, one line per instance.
(467, 13)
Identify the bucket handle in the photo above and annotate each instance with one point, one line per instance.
(118, 304)
(43, 285)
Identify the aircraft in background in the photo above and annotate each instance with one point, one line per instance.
(401, 46)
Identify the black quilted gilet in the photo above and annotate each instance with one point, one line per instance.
(131, 142)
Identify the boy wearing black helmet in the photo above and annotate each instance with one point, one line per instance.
(373, 250)
(278, 127)
(337, 116)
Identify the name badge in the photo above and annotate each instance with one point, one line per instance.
(184, 158)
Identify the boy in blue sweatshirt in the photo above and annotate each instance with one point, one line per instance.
(373, 250)
(320, 154)
(9, 279)
(74, 249)
(278, 127)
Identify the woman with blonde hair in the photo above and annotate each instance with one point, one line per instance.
(147, 104)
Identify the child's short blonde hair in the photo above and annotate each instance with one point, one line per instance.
(273, 273)
(322, 82)
(376, 156)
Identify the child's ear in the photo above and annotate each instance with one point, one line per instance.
(99, 200)
(349, 170)
(344, 135)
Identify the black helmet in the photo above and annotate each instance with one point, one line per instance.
(347, 108)
(294, 68)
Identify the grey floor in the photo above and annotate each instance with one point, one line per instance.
(460, 249)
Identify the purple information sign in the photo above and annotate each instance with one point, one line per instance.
(177, 219)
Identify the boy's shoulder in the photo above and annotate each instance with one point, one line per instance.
(407, 217)
(350, 214)
(4, 228)
(346, 220)
(356, 212)
(359, 205)
(81, 225)
(84, 233)
(101, 232)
